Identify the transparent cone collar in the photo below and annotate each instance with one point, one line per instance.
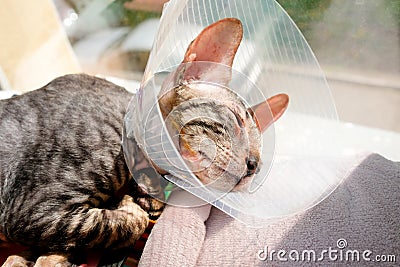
(273, 58)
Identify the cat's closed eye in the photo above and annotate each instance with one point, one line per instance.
(239, 119)
(239, 116)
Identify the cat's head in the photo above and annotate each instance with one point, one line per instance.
(217, 136)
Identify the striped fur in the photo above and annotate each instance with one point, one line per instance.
(64, 184)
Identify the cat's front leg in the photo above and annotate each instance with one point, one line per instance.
(85, 228)
(123, 226)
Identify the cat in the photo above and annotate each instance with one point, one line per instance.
(62, 169)
(64, 183)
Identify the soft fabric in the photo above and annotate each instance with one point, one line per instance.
(358, 224)
(180, 234)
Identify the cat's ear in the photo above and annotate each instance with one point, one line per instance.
(277, 104)
(217, 43)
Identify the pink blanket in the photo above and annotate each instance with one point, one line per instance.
(358, 224)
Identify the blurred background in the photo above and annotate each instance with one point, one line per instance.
(357, 43)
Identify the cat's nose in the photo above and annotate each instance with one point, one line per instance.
(252, 164)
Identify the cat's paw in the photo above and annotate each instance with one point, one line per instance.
(52, 261)
(17, 261)
(138, 215)
(151, 205)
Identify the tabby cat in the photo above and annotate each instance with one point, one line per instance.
(64, 183)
